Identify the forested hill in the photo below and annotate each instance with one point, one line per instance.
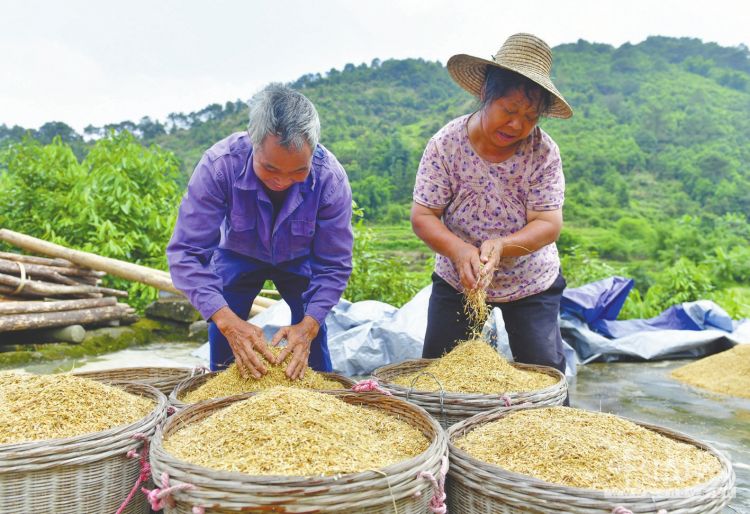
(661, 128)
(656, 157)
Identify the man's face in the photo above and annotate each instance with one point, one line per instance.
(278, 167)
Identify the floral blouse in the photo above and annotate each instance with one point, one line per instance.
(483, 200)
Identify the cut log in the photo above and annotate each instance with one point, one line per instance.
(129, 271)
(55, 306)
(38, 287)
(31, 259)
(90, 280)
(34, 270)
(14, 322)
(8, 292)
(70, 334)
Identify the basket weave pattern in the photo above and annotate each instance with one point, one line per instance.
(79, 475)
(192, 383)
(165, 379)
(450, 408)
(368, 492)
(478, 487)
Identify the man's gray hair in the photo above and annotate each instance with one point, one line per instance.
(284, 112)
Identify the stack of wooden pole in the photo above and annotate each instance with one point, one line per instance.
(40, 294)
(71, 278)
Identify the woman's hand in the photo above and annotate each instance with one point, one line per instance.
(243, 337)
(298, 339)
(490, 253)
(465, 258)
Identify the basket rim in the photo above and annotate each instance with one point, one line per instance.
(134, 369)
(189, 384)
(49, 452)
(437, 441)
(725, 476)
(453, 395)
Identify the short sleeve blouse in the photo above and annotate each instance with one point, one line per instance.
(483, 200)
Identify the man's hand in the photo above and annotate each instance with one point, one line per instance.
(489, 255)
(465, 258)
(243, 337)
(298, 338)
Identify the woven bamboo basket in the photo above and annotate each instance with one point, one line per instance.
(79, 475)
(193, 383)
(478, 487)
(450, 408)
(392, 489)
(165, 379)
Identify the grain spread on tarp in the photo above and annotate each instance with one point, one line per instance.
(590, 450)
(230, 382)
(475, 367)
(726, 372)
(41, 407)
(295, 432)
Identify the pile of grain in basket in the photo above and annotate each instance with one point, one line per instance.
(726, 372)
(230, 382)
(294, 432)
(590, 450)
(475, 367)
(41, 407)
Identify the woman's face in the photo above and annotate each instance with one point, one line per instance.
(510, 119)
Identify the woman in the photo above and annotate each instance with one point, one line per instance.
(489, 195)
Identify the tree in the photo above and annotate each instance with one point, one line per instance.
(373, 194)
(120, 201)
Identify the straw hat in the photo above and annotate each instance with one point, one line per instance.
(525, 54)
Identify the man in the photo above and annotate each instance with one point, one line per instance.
(266, 204)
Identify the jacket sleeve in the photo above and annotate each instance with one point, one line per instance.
(196, 236)
(331, 260)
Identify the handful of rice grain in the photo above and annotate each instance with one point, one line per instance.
(230, 382)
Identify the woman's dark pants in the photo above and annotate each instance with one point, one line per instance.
(531, 323)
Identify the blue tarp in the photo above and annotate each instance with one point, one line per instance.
(692, 329)
(365, 335)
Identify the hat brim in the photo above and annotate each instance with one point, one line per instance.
(469, 72)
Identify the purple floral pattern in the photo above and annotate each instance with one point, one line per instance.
(483, 200)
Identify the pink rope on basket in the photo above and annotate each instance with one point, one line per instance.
(158, 498)
(506, 400)
(366, 386)
(437, 502)
(145, 473)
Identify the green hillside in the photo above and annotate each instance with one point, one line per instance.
(656, 157)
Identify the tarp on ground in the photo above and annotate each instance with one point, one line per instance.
(363, 336)
(690, 329)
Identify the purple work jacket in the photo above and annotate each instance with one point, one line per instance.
(226, 206)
